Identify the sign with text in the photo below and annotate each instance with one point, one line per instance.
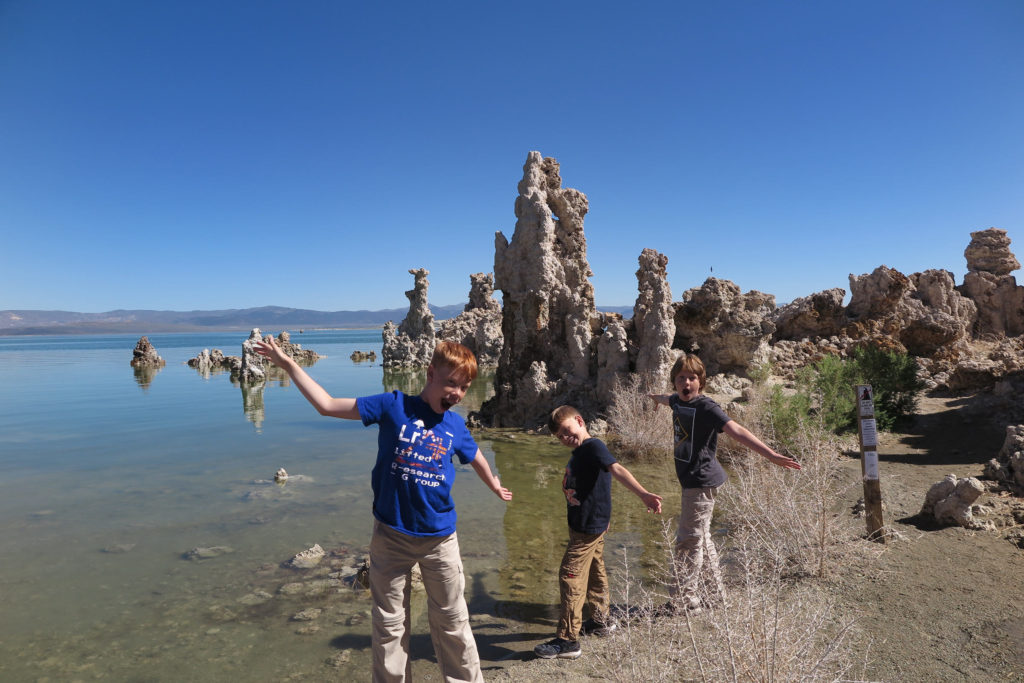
(867, 428)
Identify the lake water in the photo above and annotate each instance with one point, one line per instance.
(111, 479)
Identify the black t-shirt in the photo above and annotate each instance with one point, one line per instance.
(587, 486)
(696, 425)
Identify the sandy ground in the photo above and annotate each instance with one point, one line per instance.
(941, 604)
(938, 604)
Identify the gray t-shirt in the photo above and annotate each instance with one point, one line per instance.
(696, 425)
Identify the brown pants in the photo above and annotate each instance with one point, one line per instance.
(392, 555)
(582, 579)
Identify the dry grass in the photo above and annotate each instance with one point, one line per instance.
(789, 518)
(640, 429)
(775, 622)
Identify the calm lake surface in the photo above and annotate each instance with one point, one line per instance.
(112, 479)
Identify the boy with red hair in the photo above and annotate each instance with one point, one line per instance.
(414, 515)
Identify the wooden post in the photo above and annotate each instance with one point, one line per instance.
(869, 461)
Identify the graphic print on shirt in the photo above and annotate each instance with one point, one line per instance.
(421, 453)
(683, 418)
(569, 487)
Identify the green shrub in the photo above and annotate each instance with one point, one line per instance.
(826, 389)
(894, 380)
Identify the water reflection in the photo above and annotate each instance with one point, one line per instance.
(252, 392)
(408, 381)
(209, 363)
(411, 381)
(252, 402)
(144, 374)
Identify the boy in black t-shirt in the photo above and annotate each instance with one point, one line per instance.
(588, 497)
(696, 422)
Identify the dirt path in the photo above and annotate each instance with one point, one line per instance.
(940, 604)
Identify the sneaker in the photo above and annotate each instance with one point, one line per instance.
(560, 648)
(672, 608)
(666, 610)
(596, 628)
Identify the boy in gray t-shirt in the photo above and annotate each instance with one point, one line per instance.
(696, 422)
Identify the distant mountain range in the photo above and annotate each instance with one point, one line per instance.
(266, 318)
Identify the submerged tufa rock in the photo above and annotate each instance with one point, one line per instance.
(144, 355)
(295, 351)
(252, 368)
(478, 327)
(411, 344)
(308, 558)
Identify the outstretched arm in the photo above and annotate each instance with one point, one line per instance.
(745, 437)
(324, 403)
(659, 399)
(483, 470)
(652, 501)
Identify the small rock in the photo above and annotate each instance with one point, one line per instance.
(255, 598)
(220, 613)
(307, 614)
(118, 548)
(356, 619)
(281, 476)
(199, 553)
(308, 558)
(339, 659)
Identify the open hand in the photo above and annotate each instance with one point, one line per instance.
(271, 351)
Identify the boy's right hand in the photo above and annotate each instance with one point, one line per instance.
(653, 502)
(271, 351)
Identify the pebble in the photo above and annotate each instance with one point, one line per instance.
(339, 659)
(307, 614)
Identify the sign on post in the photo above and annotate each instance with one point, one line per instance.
(868, 431)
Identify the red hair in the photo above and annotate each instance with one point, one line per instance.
(455, 356)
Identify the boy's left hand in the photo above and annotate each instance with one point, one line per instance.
(653, 502)
(785, 461)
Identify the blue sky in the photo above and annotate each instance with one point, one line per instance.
(198, 155)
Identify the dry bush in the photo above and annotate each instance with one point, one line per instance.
(774, 622)
(789, 517)
(765, 628)
(640, 430)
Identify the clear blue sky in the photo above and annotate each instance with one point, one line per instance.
(197, 155)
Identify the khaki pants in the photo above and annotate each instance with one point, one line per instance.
(582, 579)
(693, 543)
(392, 555)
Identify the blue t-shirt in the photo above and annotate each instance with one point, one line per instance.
(412, 479)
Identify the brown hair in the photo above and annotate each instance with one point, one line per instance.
(455, 356)
(689, 363)
(560, 415)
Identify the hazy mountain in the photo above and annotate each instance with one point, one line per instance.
(268, 318)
